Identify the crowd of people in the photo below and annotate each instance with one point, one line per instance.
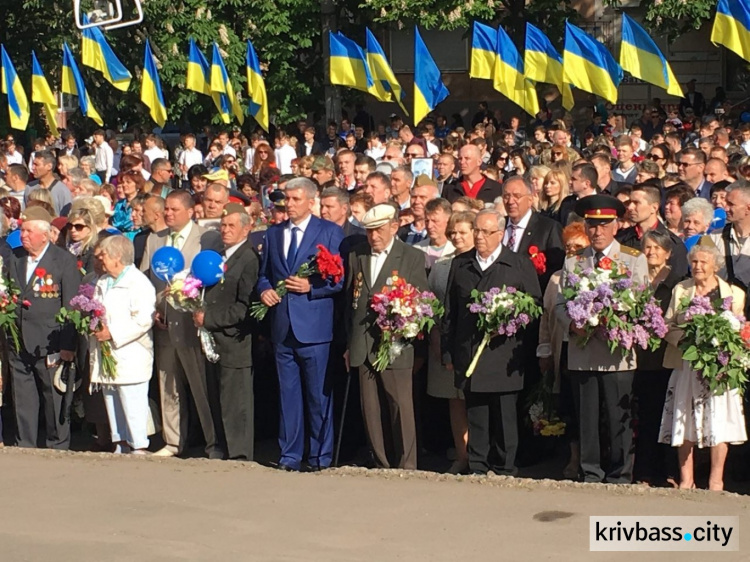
(451, 209)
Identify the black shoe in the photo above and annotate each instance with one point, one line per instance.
(316, 468)
(285, 468)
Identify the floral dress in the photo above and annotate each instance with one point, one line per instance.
(692, 413)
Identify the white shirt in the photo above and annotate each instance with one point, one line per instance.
(746, 147)
(228, 149)
(153, 153)
(249, 157)
(229, 252)
(376, 153)
(301, 227)
(190, 158)
(520, 228)
(284, 156)
(432, 149)
(32, 264)
(378, 260)
(606, 250)
(485, 263)
(104, 160)
(14, 157)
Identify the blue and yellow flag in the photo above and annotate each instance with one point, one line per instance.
(256, 88)
(640, 56)
(42, 93)
(429, 89)
(96, 53)
(732, 26)
(18, 103)
(72, 83)
(509, 78)
(483, 51)
(221, 84)
(544, 64)
(348, 64)
(151, 89)
(588, 65)
(199, 76)
(385, 86)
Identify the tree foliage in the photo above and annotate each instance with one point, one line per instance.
(675, 17)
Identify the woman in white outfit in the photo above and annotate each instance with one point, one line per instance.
(693, 416)
(129, 299)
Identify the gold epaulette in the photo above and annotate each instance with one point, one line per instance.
(630, 251)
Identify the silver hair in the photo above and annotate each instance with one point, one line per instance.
(90, 187)
(491, 212)
(76, 176)
(90, 160)
(41, 226)
(305, 184)
(118, 247)
(741, 185)
(526, 183)
(708, 249)
(407, 173)
(698, 205)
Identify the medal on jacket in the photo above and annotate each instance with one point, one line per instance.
(357, 290)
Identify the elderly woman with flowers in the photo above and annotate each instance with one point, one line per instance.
(695, 412)
(128, 298)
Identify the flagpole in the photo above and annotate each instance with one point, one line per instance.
(332, 94)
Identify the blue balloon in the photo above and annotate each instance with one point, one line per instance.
(14, 239)
(692, 241)
(167, 262)
(745, 117)
(719, 220)
(208, 266)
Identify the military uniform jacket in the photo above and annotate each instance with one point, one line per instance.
(501, 366)
(363, 334)
(595, 355)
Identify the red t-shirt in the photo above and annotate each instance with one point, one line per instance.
(473, 191)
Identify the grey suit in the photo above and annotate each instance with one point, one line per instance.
(386, 396)
(595, 370)
(179, 358)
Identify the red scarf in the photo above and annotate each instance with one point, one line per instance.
(473, 191)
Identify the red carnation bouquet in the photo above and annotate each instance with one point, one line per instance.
(538, 259)
(329, 266)
(8, 304)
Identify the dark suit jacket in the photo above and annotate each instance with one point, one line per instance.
(363, 335)
(501, 366)
(698, 104)
(677, 261)
(545, 234)
(41, 335)
(227, 305)
(490, 191)
(317, 149)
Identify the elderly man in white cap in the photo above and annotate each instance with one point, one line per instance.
(392, 437)
(48, 279)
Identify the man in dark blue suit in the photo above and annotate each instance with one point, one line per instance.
(301, 326)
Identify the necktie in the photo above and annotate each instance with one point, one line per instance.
(291, 255)
(512, 237)
(173, 236)
(598, 256)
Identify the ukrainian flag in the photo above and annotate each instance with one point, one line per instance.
(508, 77)
(640, 56)
(544, 64)
(483, 51)
(348, 64)
(42, 93)
(385, 86)
(256, 88)
(199, 76)
(732, 27)
(72, 83)
(588, 65)
(151, 89)
(221, 84)
(97, 54)
(429, 89)
(18, 103)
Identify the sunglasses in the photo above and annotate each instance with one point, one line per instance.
(654, 157)
(78, 227)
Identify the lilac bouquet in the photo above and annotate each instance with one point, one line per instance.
(185, 293)
(716, 343)
(607, 303)
(88, 316)
(502, 312)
